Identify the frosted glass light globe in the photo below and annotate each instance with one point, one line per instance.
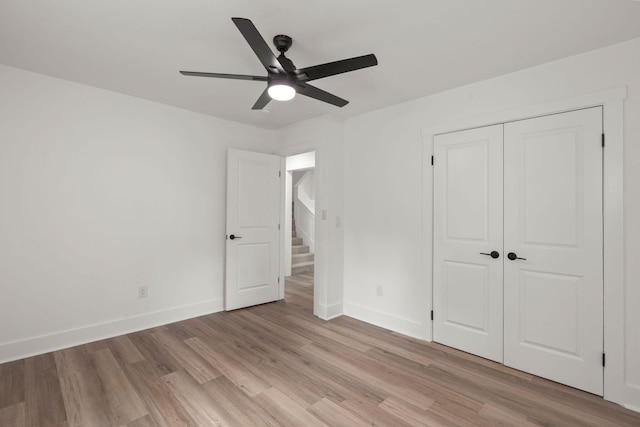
(281, 92)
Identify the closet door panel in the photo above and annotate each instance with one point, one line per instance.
(467, 223)
(553, 225)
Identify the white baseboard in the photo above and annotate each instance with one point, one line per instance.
(64, 339)
(328, 312)
(384, 320)
(334, 310)
(631, 407)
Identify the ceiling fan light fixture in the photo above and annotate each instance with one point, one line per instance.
(283, 79)
(281, 92)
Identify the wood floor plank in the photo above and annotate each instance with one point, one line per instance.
(277, 364)
(313, 329)
(480, 387)
(74, 359)
(84, 397)
(124, 350)
(229, 365)
(302, 378)
(199, 329)
(189, 360)
(145, 421)
(12, 384)
(385, 340)
(163, 408)
(458, 415)
(370, 411)
(153, 352)
(504, 416)
(268, 329)
(14, 415)
(235, 407)
(335, 415)
(285, 410)
(193, 399)
(124, 402)
(94, 346)
(43, 395)
(406, 412)
(372, 378)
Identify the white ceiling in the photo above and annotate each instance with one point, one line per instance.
(423, 47)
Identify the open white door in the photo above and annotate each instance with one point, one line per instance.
(467, 260)
(253, 238)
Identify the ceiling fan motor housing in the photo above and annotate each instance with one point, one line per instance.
(282, 42)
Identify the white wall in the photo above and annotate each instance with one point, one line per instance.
(383, 186)
(324, 136)
(101, 193)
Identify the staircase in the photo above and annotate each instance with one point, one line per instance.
(301, 258)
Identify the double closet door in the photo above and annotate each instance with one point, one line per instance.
(518, 246)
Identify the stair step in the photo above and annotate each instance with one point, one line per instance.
(296, 241)
(304, 267)
(302, 258)
(299, 249)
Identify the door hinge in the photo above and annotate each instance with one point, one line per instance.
(278, 226)
(603, 139)
(603, 359)
(278, 279)
(431, 314)
(431, 160)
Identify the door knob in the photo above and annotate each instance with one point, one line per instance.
(512, 256)
(493, 254)
(233, 236)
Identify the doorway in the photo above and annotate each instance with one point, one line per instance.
(300, 229)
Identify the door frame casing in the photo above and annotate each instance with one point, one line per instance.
(611, 102)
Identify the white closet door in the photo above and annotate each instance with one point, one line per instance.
(553, 303)
(468, 222)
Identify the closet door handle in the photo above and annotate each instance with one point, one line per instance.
(512, 256)
(493, 254)
(233, 236)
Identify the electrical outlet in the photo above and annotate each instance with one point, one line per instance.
(379, 290)
(143, 292)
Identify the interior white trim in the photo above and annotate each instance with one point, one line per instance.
(384, 320)
(285, 224)
(64, 339)
(319, 285)
(615, 387)
(331, 311)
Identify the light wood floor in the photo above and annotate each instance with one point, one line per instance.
(277, 364)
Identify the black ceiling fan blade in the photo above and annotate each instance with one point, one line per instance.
(337, 67)
(319, 94)
(262, 101)
(225, 76)
(259, 46)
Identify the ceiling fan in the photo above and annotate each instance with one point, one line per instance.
(283, 79)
